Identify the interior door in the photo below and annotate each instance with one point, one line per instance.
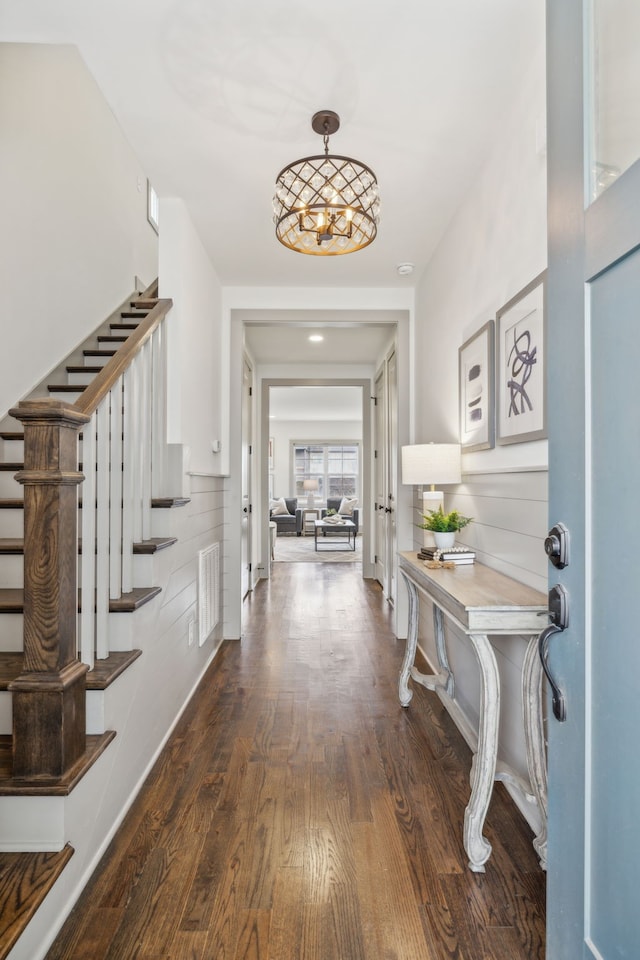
(392, 471)
(594, 455)
(380, 471)
(245, 547)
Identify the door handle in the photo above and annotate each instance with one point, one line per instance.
(559, 613)
(245, 509)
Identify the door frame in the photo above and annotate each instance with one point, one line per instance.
(366, 481)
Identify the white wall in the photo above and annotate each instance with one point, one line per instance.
(494, 246)
(284, 431)
(194, 330)
(73, 231)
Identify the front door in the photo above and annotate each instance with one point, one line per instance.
(594, 466)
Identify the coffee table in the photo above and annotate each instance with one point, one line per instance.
(339, 530)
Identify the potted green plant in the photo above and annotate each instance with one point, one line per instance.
(444, 526)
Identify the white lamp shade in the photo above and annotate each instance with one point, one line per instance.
(309, 484)
(431, 463)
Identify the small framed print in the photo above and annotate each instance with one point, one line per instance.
(520, 366)
(153, 207)
(475, 380)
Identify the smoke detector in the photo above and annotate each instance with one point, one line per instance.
(404, 269)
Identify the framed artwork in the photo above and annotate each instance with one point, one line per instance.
(475, 384)
(521, 409)
(153, 207)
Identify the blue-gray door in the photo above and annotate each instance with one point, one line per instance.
(593, 341)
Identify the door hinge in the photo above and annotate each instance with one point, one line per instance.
(250, 391)
(375, 559)
(250, 508)
(250, 566)
(250, 449)
(375, 454)
(375, 401)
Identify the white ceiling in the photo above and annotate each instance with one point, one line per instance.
(315, 403)
(216, 96)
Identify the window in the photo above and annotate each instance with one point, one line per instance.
(336, 467)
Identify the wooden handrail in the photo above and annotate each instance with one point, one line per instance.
(103, 382)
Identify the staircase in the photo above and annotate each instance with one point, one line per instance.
(69, 561)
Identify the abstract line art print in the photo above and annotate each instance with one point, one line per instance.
(521, 402)
(475, 379)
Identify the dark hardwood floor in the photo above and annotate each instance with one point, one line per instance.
(299, 813)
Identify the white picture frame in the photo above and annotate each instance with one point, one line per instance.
(521, 403)
(476, 390)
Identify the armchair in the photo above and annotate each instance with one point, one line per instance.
(333, 503)
(290, 522)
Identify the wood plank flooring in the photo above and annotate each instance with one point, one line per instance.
(299, 813)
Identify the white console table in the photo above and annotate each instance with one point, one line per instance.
(482, 602)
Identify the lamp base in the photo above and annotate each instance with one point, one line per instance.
(431, 500)
(311, 502)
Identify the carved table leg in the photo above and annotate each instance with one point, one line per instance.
(404, 692)
(534, 736)
(484, 765)
(443, 680)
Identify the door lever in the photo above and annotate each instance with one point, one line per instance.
(559, 613)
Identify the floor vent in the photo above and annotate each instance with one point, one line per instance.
(208, 591)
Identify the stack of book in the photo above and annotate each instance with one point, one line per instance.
(451, 555)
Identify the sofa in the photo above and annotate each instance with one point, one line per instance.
(333, 503)
(288, 523)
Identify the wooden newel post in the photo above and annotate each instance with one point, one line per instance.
(49, 725)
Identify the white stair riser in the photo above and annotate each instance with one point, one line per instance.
(11, 632)
(6, 723)
(32, 823)
(96, 361)
(64, 395)
(13, 450)
(11, 575)
(12, 522)
(81, 378)
(9, 486)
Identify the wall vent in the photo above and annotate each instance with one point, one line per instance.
(208, 591)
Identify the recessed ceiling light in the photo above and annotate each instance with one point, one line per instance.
(316, 338)
(404, 269)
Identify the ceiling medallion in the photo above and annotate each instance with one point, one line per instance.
(326, 205)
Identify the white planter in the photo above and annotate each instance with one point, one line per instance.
(444, 541)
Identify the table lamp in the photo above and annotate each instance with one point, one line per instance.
(310, 486)
(430, 463)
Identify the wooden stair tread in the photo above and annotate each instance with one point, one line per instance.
(96, 744)
(106, 338)
(10, 546)
(158, 502)
(14, 503)
(25, 880)
(12, 599)
(81, 368)
(11, 465)
(125, 326)
(98, 353)
(66, 387)
(12, 434)
(102, 676)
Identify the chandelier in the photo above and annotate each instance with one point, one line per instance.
(326, 205)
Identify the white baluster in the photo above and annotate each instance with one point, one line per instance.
(87, 525)
(146, 440)
(102, 531)
(115, 501)
(128, 482)
(159, 403)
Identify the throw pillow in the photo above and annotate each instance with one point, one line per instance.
(347, 505)
(278, 508)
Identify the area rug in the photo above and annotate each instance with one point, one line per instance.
(302, 550)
